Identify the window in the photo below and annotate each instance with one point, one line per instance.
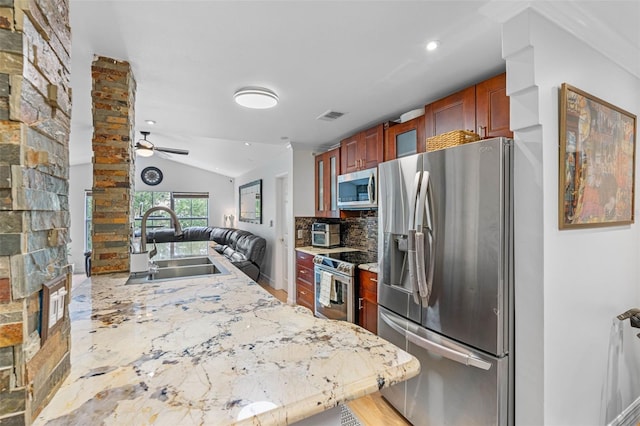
(192, 208)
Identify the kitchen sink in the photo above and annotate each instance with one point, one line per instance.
(173, 269)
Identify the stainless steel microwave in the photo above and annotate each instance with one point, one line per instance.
(358, 190)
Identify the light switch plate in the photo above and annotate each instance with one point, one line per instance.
(300, 234)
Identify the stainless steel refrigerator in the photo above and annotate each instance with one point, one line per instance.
(445, 282)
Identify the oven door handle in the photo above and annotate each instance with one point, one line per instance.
(436, 348)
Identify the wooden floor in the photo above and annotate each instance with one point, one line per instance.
(371, 410)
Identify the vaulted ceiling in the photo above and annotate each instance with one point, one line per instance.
(366, 59)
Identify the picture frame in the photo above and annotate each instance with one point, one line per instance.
(250, 202)
(596, 181)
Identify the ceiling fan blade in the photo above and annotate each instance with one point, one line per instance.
(142, 144)
(172, 150)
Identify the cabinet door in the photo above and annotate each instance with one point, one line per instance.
(372, 147)
(327, 171)
(320, 201)
(455, 112)
(368, 301)
(349, 153)
(405, 139)
(332, 172)
(492, 108)
(369, 314)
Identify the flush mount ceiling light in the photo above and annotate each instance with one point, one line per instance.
(432, 45)
(256, 97)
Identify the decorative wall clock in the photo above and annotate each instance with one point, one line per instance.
(151, 175)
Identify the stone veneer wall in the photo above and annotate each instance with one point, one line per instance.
(35, 110)
(113, 164)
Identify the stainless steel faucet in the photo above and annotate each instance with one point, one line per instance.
(143, 241)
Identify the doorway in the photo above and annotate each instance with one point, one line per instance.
(283, 222)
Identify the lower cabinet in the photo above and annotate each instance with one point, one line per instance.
(368, 300)
(304, 280)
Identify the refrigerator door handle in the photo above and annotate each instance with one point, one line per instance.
(424, 280)
(436, 348)
(411, 237)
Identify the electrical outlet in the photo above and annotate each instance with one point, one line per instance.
(300, 234)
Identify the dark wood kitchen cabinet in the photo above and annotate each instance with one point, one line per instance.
(326, 183)
(304, 280)
(368, 300)
(482, 108)
(454, 112)
(404, 139)
(363, 150)
(492, 108)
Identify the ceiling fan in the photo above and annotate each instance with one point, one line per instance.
(146, 148)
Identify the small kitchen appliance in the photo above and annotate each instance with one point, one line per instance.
(358, 190)
(325, 234)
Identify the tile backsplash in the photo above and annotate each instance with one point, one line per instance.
(357, 232)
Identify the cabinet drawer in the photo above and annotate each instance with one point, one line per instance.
(304, 259)
(304, 294)
(368, 282)
(304, 274)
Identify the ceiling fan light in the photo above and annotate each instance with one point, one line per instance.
(144, 152)
(256, 98)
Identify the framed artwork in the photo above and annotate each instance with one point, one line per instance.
(597, 162)
(250, 204)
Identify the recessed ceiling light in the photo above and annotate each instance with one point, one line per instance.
(247, 144)
(432, 45)
(256, 97)
(150, 122)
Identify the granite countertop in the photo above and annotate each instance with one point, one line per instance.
(211, 350)
(322, 250)
(371, 267)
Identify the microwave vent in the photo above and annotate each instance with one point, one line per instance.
(330, 115)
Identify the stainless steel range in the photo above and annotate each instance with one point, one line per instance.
(335, 284)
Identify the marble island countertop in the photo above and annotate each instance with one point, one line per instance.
(211, 350)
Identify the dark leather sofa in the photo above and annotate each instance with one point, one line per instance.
(243, 249)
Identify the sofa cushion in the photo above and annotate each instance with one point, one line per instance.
(252, 246)
(220, 235)
(196, 233)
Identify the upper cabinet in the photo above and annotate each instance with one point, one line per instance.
(455, 112)
(363, 150)
(483, 108)
(326, 173)
(492, 108)
(404, 139)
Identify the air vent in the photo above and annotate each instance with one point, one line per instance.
(330, 115)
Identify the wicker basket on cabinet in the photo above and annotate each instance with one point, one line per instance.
(449, 139)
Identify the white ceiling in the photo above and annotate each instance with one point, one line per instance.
(363, 58)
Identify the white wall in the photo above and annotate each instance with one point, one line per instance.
(176, 177)
(303, 185)
(180, 177)
(575, 363)
(267, 229)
